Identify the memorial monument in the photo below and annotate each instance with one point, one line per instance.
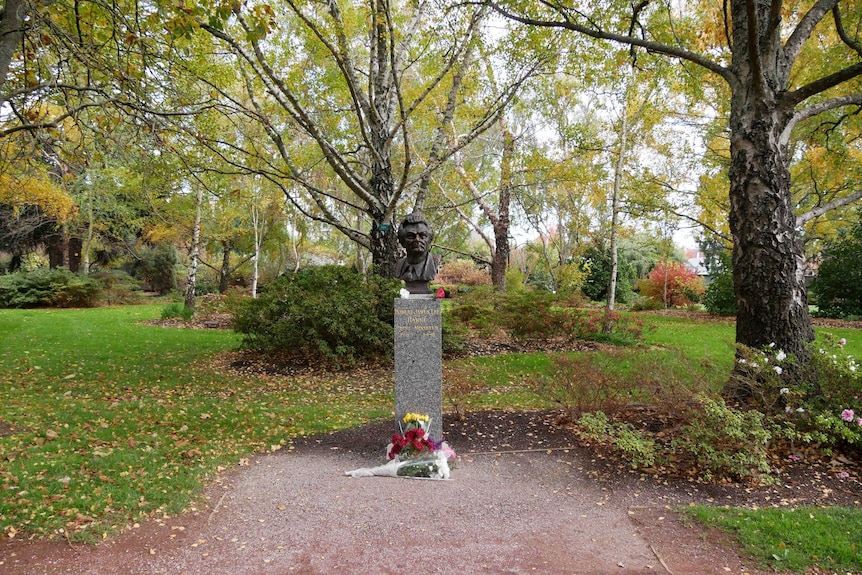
(418, 329)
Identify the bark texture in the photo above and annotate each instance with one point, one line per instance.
(767, 254)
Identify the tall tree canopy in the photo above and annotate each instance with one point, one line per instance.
(351, 97)
(768, 55)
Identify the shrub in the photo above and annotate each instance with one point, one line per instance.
(639, 447)
(47, 287)
(462, 272)
(596, 266)
(612, 381)
(818, 409)
(838, 285)
(570, 279)
(537, 317)
(719, 298)
(454, 333)
(585, 383)
(329, 311)
(683, 284)
(645, 304)
(118, 287)
(723, 442)
(157, 267)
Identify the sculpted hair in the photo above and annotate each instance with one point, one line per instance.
(414, 219)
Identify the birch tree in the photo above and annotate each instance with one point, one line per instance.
(762, 59)
(350, 96)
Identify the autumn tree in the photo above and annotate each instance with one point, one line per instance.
(350, 96)
(763, 55)
(672, 283)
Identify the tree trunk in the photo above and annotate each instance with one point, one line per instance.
(191, 286)
(500, 261)
(88, 240)
(12, 22)
(771, 301)
(767, 254)
(255, 216)
(224, 274)
(384, 246)
(608, 324)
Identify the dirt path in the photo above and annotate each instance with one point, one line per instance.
(540, 507)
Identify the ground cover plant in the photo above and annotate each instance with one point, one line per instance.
(109, 421)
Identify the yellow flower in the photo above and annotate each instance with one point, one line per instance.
(415, 417)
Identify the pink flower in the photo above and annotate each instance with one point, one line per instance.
(794, 457)
(847, 415)
(859, 421)
(843, 475)
(447, 451)
(842, 341)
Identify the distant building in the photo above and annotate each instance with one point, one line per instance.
(694, 260)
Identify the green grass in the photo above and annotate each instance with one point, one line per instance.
(794, 539)
(113, 421)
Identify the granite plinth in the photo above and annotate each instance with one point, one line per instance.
(418, 361)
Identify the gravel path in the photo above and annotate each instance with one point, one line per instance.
(539, 507)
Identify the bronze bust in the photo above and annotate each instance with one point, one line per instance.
(418, 267)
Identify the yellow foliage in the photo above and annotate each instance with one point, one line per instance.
(164, 232)
(20, 191)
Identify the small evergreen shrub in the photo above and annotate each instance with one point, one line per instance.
(157, 267)
(329, 311)
(118, 287)
(719, 298)
(44, 287)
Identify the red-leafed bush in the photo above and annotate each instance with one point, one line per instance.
(684, 286)
(462, 272)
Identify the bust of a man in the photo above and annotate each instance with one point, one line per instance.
(418, 267)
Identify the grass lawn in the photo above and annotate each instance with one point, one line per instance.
(105, 421)
(794, 539)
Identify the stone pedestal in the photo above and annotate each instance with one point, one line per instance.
(418, 361)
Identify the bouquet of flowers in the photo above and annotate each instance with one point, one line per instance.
(412, 453)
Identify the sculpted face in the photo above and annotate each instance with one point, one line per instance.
(416, 239)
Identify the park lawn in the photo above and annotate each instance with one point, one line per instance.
(793, 539)
(105, 421)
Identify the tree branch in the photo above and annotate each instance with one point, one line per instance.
(842, 33)
(818, 211)
(819, 108)
(753, 23)
(595, 32)
(805, 27)
(791, 99)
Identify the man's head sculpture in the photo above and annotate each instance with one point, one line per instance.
(418, 267)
